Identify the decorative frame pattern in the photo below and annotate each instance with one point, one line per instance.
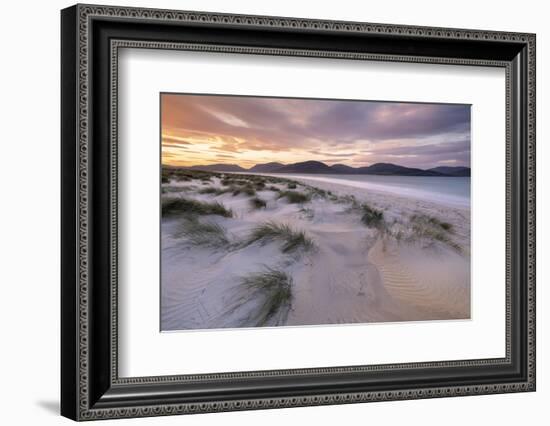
(86, 406)
(118, 44)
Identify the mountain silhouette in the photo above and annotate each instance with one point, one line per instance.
(317, 167)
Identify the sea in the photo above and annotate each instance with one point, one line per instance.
(453, 191)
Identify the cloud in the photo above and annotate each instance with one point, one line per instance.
(227, 118)
(172, 145)
(339, 154)
(429, 149)
(284, 128)
(379, 121)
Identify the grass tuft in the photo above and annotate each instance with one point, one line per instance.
(176, 189)
(207, 234)
(275, 289)
(214, 191)
(209, 190)
(249, 190)
(429, 227)
(292, 240)
(371, 216)
(294, 197)
(348, 199)
(439, 224)
(175, 206)
(246, 189)
(258, 203)
(321, 193)
(181, 174)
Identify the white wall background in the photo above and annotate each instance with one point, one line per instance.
(29, 214)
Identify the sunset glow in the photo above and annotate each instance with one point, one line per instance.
(210, 129)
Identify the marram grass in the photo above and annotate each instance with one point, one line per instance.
(274, 290)
(206, 234)
(180, 205)
(294, 197)
(292, 240)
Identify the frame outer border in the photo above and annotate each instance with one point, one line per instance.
(84, 12)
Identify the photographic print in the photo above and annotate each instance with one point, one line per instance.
(301, 212)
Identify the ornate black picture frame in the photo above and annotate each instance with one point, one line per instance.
(91, 387)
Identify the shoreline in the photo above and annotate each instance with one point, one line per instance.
(459, 216)
(451, 201)
(364, 187)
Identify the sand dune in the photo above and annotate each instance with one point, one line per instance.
(436, 288)
(411, 265)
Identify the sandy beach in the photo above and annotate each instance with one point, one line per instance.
(254, 250)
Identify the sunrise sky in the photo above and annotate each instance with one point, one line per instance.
(208, 129)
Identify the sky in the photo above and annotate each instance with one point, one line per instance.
(210, 129)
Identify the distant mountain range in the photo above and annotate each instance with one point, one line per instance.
(316, 167)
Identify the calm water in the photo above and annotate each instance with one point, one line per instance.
(447, 190)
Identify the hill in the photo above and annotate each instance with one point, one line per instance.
(266, 168)
(453, 171)
(305, 167)
(394, 169)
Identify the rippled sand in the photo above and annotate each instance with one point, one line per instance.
(355, 274)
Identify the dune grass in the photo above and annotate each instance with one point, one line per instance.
(181, 205)
(257, 203)
(317, 192)
(274, 289)
(422, 221)
(178, 175)
(348, 199)
(176, 189)
(241, 186)
(185, 174)
(249, 184)
(181, 178)
(294, 197)
(214, 191)
(429, 227)
(227, 181)
(433, 221)
(246, 189)
(209, 190)
(371, 217)
(231, 181)
(292, 240)
(208, 234)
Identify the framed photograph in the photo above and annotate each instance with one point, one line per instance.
(264, 212)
